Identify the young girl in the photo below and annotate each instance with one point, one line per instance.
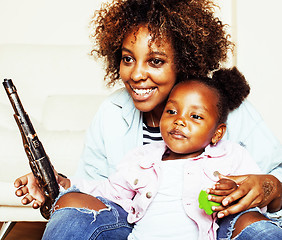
(158, 184)
(151, 45)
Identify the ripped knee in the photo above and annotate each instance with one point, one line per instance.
(79, 200)
(245, 220)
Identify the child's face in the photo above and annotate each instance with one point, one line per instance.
(147, 69)
(189, 120)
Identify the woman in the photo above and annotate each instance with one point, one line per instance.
(151, 45)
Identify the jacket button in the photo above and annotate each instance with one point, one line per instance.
(148, 194)
(135, 181)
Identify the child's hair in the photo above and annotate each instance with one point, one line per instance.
(231, 88)
(198, 38)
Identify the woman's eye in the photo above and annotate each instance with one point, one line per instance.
(127, 59)
(195, 116)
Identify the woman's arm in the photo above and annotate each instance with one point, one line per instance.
(246, 127)
(253, 191)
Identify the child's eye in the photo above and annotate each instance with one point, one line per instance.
(156, 62)
(171, 111)
(195, 116)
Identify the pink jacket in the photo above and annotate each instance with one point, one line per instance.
(136, 181)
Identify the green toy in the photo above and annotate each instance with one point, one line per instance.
(205, 204)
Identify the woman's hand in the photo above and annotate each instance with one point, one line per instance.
(252, 191)
(62, 181)
(28, 188)
(221, 190)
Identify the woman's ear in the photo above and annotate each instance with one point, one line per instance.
(219, 133)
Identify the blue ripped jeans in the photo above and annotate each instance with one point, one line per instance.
(78, 223)
(261, 230)
(111, 223)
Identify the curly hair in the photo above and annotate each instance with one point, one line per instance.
(231, 87)
(198, 38)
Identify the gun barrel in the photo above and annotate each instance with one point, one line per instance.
(9, 86)
(39, 162)
(13, 97)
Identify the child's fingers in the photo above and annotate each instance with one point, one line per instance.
(214, 198)
(225, 183)
(223, 187)
(220, 192)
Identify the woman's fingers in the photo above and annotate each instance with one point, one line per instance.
(21, 191)
(27, 199)
(21, 181)
(36, 204)
(254, 190)
(29, 189)
(249, 200)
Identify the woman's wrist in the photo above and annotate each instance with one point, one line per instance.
(272, 188)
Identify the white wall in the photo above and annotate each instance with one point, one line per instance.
(259, 56)
(64, 23)
(44, 48)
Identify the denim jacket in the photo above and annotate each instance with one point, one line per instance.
(136, 181)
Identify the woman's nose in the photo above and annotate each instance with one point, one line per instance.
(139, 73)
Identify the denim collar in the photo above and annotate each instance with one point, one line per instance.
(123, 100)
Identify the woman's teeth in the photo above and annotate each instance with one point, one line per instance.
(142, 91)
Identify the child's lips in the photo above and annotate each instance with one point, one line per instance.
(177, 134)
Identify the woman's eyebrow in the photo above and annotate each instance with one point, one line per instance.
(150, 54)
(158, 53)
(126, 49)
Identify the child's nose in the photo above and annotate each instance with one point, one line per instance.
(180, 121)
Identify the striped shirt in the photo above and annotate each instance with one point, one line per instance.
(151, 134)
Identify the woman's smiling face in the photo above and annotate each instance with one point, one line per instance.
(147, 69)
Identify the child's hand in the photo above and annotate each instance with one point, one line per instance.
(221, 189)
(27, 186)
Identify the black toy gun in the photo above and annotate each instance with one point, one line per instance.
(38, 160)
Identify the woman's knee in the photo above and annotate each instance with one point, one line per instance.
(79, 200)
(247, 219)
(264, 229)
